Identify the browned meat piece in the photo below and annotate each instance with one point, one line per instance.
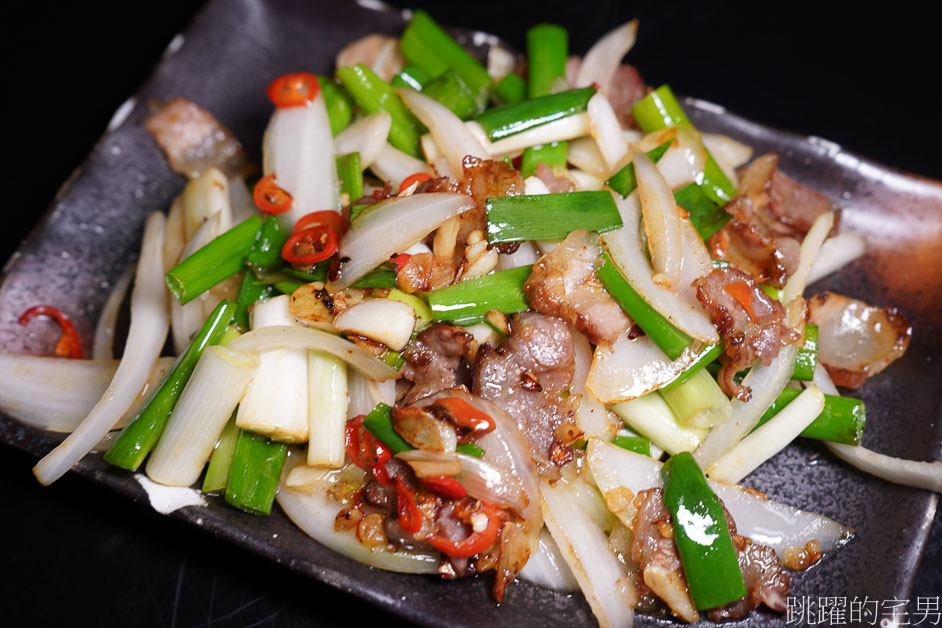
(525, 380)
(378, 52)
(555, 184)
(194, 140)
(624, 92)
(564, 284)
(655, 552)
(766, 581)
(432, 359)
(750, 322)
(484, 179)
(771, 213)
(424, 271)
(856, 340)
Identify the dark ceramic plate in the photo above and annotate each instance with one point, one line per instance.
(93, 229)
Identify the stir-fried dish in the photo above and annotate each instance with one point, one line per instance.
(520, 318)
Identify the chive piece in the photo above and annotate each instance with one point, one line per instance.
(702, 537)
(707, 355)
(549, 216)
(552, 154)
(428, 46)
(217, 473)
(141, 433)
(511, 89)
(373, 94)
(317, 273)
(412, 76)
(379, 423)
(671, 340)
(547, 51)
(255, 472)
(698, 402)
(624, 181)
(706, 216)
(451, 91)
(339, 104)
(470, 449)
(394, 359)
(350, 173)
(266, 253)
(807, 357)
(637, 444)
(249, 293)
(383, 276)
(287, 287)
(218, 260)
(509, 120)
(356, 210)
(841, 421)
(767, 288)
(467, 302)
(659, 110)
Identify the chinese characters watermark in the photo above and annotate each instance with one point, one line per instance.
(845, 611)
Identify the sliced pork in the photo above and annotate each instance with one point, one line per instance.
(563, 283)
(856, 340)
(751, 323)
(424, 271)
(433, 359)
(526, 379)
(555, 184)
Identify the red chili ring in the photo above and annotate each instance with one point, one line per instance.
(319, 235)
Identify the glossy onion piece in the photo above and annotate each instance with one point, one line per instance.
(835, 253)
(630, 368)
(547, 568)
(449, 132)
(383, 320)
(607, 131)
(809, 251)
(603, 58)
(662, 222)
(393, 166)
(366, 136)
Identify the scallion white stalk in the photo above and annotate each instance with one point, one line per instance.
(393, 166)
(327, 408)
(698, 402)
(276, 402)
(651, 417)
(217, 384)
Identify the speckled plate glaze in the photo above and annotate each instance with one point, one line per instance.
(92, 231)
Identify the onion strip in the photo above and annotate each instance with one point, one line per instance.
(809, 251)
(103, 343)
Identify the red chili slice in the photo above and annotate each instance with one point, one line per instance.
(69, 344)
(410, 517)
(445, 486)
(742, 292)
(418, 177)
(477, 542)
(466, 417)
(293, 90)
(270, 198)
(400, 261)
(360, 444)
(309, 246)
(327, 217)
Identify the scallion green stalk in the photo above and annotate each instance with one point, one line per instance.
(412, 76)
(706, 216)
(509, 120)
(373, 94)
(218, 260)
(250, 292)
(552, 154)
(425, 44)
(650, 416)
(451, 91)
(255, 473)
(350, 173)
(706, 357)
(467, 302)
(659, 110)
(511, 89)
(549, 216)
(217, 472)
(671, 340)
(698, 402)
(141, 433)
(547, 51)
(339, 104)
(624, 181)
(841, 421)
(266, 252)
(807, 357)
(383, 276)
(637, 444)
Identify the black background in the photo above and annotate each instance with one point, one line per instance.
(75, 554)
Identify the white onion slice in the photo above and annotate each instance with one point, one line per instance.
(366, 136)
(450, 133)
(26, 382)
(280, 336)
(728, 153)
(769, 439)
(204, 198)
(383, 320)
(675, 167)
(185, 320)
(525, 255)
(489, 483)
(759, 518)
(584, 546)
(364, 394)
(548, 569)
(103, 343)
(835, 253)
(651, 417)
(766, 383)
(584, 153)
(584, 180)
(500, 62)
(298, 148)
(603, 58)
(630, 368)
(145, 340)
(240, 200)
(311, 510)
(624, 246)
(604, 127)
(661, 220)
(393, 166)
(567, 128)
(591, 416)
(393, 226)
(809, 251)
